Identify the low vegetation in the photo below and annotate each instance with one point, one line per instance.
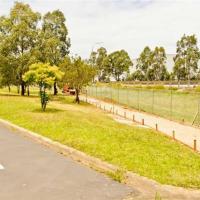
(90, 130)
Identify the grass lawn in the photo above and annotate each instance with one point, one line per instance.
(90, 130)
(174, 105)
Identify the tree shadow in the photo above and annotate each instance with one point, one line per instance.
(48, 110)
(17, 95)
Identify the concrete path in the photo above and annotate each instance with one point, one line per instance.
(185, 134)
(30, 171)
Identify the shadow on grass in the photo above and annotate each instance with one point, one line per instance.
(17, 95)
(48, 110)
(11, 95)
(68, 100)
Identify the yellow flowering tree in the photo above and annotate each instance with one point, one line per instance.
(44, 75)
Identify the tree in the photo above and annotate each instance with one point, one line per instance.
(44, 75)
(18, 34)
(97, 60)
(117, 63)
(158, 65)
(7, 72)
(187, 57)
(77, 74)
(144, 63)
(54, 42)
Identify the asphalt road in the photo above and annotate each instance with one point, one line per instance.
(30, 171)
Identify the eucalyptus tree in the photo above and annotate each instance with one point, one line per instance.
(77, 74)
(97, 60)
(54, 41)
(187, 57)
(158, 65)
(19, 34)
(143, 64)
(21, 37)
(117, 63)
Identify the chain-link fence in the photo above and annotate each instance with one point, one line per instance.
(175, 105)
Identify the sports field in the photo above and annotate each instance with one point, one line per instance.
(182, 106)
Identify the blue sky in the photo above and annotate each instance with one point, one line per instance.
(122, 24)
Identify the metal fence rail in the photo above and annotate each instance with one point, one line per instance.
(171, 104)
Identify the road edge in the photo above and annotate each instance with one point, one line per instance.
(149, 186)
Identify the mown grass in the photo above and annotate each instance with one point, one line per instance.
(90, 130)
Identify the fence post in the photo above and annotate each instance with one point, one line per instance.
(173, 134)
(127, 99)
(96, 91)
(198, 113)
(138, 99)
(171, 105)
(156, 127)
(133, 117)
(142, 121)
(195, 144)
(118, 93)
(111, 93)
(86, 96)
(153, 101)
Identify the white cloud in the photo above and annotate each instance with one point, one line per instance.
(126, 24)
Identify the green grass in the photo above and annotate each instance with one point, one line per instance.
(174, 105)
(90, 130)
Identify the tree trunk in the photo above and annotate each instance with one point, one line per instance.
(22, 88)
(28, 91)
(77, 96)
(18, 89)
(188, 80)
(55, 92)
(9, 88)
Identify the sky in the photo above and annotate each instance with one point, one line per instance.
(122, 24)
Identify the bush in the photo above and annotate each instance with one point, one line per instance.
(156, 87)
(197, 89)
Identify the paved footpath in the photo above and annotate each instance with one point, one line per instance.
(30, 171)
(185, 134)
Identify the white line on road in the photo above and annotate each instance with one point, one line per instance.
(1, 167)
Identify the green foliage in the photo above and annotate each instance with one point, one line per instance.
(119, 175)
(187, 57)
(77, 74)
(117, 63)
(156, 87)
(44, 75)
(53, 44)
(151, 66)
(158, 67)
(18, 34)
(143, 65)
(97, 60)
(27, 38)
(137, 75)
(197, 89)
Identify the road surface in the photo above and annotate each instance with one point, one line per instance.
(30, 171)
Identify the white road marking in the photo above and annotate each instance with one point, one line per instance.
(1, 167)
